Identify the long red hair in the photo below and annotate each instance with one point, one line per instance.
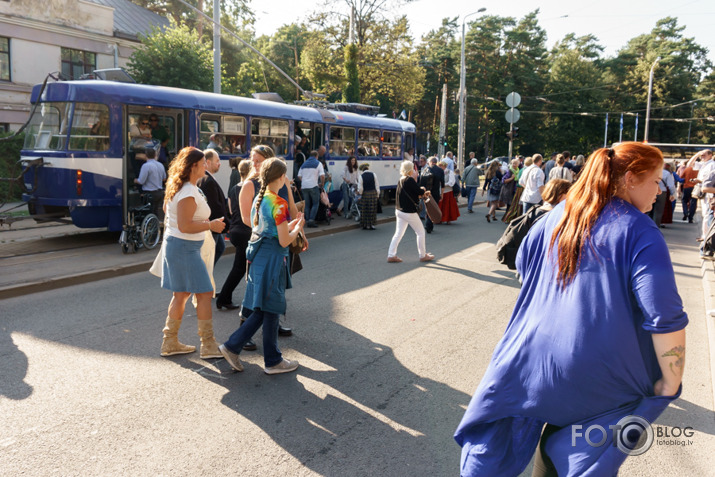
(597, 184)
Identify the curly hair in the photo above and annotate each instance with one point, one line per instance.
(271, 169)
(180, 170)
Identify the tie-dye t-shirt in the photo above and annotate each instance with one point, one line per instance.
(274, 211)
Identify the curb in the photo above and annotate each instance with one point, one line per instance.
(104, 273)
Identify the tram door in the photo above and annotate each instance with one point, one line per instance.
(314, 132)
(163, 129)
(317, 139)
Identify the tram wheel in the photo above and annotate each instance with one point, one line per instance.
(150, 233)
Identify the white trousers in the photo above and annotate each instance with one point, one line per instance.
(403, 220)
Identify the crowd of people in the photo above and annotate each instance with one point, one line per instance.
(575, 220)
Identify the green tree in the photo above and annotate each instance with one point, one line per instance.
(703, 131)
(438, 54)
(683, 63)
(174, 57)
(575, 85)
(10, 167)
(388, 72)
(504, 55)
(351, 89)
(237, 10)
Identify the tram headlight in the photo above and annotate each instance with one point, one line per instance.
(79, 182)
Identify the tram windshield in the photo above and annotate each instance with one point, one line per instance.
(48, 127)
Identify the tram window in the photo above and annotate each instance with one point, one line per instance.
(392, 144)
(90, 127)
(270, 132)
(368, 142)
(409, 141)
(47, 128)
(342, 141)
(224, 133)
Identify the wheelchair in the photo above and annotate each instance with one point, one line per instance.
(142, 228)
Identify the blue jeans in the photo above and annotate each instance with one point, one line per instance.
(312, 200)
(471, 194)
(271, 354)
(220, 246)
(347, 201)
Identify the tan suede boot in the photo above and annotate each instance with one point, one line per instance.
(171, 346)
(209, 347)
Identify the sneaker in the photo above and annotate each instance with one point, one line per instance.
(231, 357)
(394, 259)
(284, 366)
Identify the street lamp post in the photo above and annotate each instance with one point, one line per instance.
(647, 108)
(463, 97)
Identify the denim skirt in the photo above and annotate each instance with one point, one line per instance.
(183, 270)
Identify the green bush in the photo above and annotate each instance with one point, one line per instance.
(9, 167)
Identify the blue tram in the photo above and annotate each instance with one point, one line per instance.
(79, 159)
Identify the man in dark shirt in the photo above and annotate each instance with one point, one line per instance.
(214, 196)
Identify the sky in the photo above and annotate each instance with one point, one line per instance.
(613, 22)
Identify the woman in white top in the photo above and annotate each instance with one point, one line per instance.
(448, 203)
(349, 178)
(559, 171)
(183, 270)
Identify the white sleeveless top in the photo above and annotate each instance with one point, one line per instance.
(203, 211)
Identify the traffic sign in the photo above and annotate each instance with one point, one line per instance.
(513, 100)
(512, 115)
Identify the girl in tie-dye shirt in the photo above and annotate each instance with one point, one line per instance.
(268, 275)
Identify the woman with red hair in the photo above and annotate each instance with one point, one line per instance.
(597, 335)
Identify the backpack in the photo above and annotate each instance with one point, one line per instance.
(495, 185)
(426, 178)
(508, 244)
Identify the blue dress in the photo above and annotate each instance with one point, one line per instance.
(583, 355)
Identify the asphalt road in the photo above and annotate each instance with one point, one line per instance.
(390, 355)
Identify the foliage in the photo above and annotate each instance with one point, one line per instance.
(566, 91)
(9, 167)
(351, 89)
(174, 57)
(238, 11)
(388, 71)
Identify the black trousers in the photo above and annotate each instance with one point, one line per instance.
(238, 270)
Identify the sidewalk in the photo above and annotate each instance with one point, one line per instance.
(26, 271)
